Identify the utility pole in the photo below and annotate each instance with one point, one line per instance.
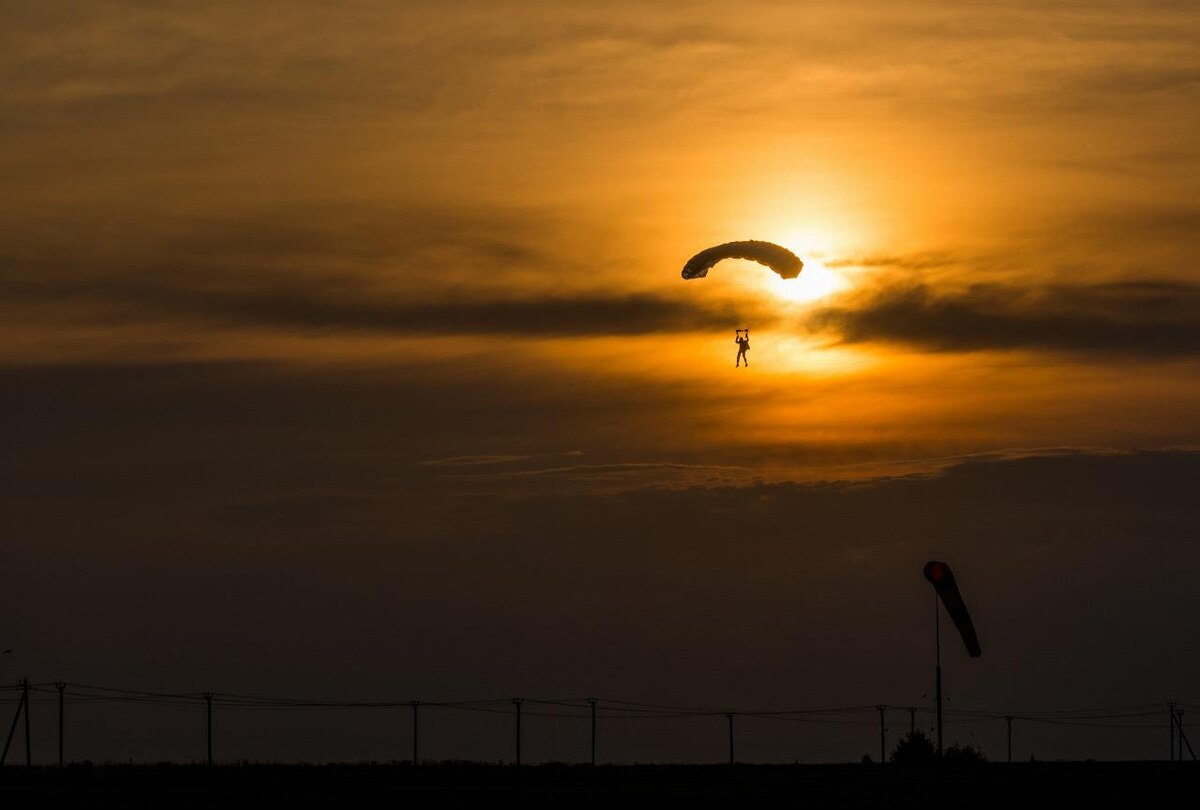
(937, 656)
(416, 733)
(729, 718)
(208, 696)
(882, 735)
(912, 721)
(592, 701)
(1171, 726)
(517, 702)
(1009, 720)
(61, 687)
(1179, 747)
(25, 700)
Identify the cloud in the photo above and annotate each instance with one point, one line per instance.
(913, 261)
(1142, 318)
(627, 476)
(366, 310)
(472, 461)
(619, 476)
(435, 269)
(1159, 319)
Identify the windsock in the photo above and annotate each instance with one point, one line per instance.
(942, 579)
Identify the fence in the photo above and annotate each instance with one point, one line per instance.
(589, 711)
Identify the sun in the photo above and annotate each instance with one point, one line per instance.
(813, 245)
(815, 281)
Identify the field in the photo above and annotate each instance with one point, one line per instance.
(468, 785)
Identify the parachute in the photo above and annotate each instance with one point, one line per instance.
(942, 579)
(779, 259)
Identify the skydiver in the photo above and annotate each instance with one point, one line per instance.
(743, 347)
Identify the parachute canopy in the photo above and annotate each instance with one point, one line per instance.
(942, 579)
(779, 259)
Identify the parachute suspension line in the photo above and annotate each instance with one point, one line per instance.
(775, 257)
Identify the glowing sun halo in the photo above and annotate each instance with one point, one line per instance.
(815, 281)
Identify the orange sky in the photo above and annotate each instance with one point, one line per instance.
(403, 155)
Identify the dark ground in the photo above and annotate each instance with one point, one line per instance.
(461, 785)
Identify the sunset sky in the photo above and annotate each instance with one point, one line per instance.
(345, 353)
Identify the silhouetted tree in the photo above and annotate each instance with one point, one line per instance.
(963, 755)
(914, 748)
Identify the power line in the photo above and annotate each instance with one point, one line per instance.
(573, 708)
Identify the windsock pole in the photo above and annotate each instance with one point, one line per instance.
(945, 590)
(937, 669)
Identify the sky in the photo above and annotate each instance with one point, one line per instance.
(345, 354)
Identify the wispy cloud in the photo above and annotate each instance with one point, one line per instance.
(910, 261)
(1144, 318)
(472, 461)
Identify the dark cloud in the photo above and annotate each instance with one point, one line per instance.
(349, 309)
(1142, 318)
(403, 269)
